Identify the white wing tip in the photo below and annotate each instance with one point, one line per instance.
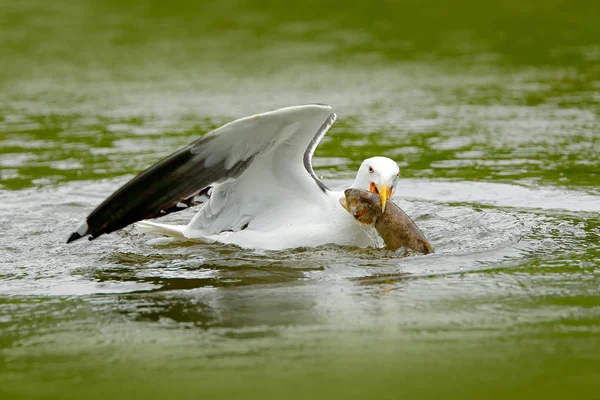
(80, 232)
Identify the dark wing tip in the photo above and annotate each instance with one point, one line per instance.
(74, 236)
(81, 231)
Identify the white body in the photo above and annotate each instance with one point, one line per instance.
(276, 202)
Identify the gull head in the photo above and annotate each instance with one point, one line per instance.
(378, 175)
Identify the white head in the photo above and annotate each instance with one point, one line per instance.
(378, 175)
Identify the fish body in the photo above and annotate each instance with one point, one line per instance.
(393, 225)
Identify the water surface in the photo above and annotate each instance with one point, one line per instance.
(492, 111)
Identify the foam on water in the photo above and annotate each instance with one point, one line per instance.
(472, 226)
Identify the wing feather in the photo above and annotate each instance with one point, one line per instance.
(222, 154)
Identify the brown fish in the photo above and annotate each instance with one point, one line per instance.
(393, 225)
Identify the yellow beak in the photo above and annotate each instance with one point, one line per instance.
(384, 194)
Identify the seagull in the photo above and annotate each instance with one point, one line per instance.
(254, 184)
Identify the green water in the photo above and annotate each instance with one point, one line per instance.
(492, 111)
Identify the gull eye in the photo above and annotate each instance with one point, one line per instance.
(371, 170)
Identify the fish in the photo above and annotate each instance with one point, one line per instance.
(396, 228)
